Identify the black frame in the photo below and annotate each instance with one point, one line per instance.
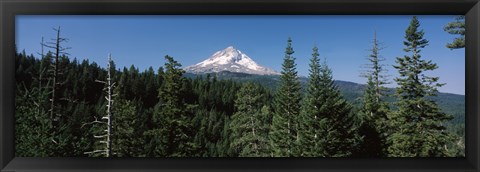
(10, 8)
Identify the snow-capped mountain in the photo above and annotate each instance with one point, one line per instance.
(230, 59)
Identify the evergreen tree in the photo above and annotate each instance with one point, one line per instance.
(150, 97)
(166, 115)
(173, 134)
(266, 115)
(374, 109)
(283, 137)
(215, 100)
(311, 117)
(33, 127)
(418, 122)
(340, 137)
(125, 142)
(36, 135)
(327, 125)
(248, 130)
(456, 28)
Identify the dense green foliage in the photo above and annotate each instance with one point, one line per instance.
(328, 125)
(341, 129)
(36, 139)
(248, 124)
(173, 129)
(456, 27)
(418, 122)
(284, 135)
(126, 142)
(353, 92)
(374, 108)
(311, 117)
(168, 113)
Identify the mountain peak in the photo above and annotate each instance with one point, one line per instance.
(230, 59)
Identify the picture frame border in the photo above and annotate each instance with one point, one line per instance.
(10, 8)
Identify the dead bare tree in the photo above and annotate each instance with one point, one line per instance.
(42, 70)
(55, 70)
(106, 120)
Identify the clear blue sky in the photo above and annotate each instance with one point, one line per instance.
(343, 40)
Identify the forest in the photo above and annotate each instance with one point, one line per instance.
(71, 108)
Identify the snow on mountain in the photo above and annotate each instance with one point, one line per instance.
(230, 59)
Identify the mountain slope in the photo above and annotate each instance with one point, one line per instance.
(230, 59)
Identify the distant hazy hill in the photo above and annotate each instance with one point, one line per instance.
(450, 103)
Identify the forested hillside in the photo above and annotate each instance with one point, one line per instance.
(71, 108)
(211, 98)
(450, 103)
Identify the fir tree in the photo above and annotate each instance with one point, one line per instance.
(125, 142)
(248, 130)
(284, 136)
(418, 122)
(311, 117)
(456, 28)
(32, 124)
(340, 136)
(374, 109)
(36, 136)
(174, 132)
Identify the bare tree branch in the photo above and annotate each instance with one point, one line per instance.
(108, 89)
(93, 122)
(96, 151)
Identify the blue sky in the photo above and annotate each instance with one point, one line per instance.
(343, 40)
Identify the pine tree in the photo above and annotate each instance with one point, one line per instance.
(456, 28)
(248, 130)
(418, 122)
(32, 123)
(150, 87)
(374, 109)
(173, 135)
(340, 136)
(327, 125)
(125, 142)
(36, 135)
(284, 136)
(311, 116)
